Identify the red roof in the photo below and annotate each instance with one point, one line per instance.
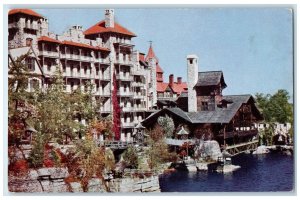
(100, 28)
(25, 11)
(48, 39)
(178, 88)
(161, 87)
(151, 54)
(159, 69)
(84, 45)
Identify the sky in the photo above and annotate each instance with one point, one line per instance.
(252, 46)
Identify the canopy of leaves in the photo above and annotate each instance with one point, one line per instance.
(275, 108)
(167, 124)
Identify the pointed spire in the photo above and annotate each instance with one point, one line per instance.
(151, 53)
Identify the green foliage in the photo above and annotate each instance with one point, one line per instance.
(275, 108)
(36, 156)
(130, 157)
(167, 124)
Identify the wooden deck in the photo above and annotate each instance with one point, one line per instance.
(242, 147)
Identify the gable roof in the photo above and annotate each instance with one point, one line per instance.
(219, 115)
(179, 88)
(161, 87)
(26, 12)
(210, 78)
(100, 28)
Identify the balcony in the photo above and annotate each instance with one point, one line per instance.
(50, 54)
(122, 77)
(102, 61)
(103, 94)
(85, 58)
(138, 84)
(127, 125)
(127, 109)
(167, 98)
(123, 61)
(239, 133)
(138, 95)
(176, 142)
(32, 25)
(139, 72)
(141, 108)
(125, 94)
(124, 43)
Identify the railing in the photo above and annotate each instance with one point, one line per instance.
(127, 124)
(127, 109)
(242, 147)
(167, 98)
(49, 53)
(105, 110)
(102, 60)
(115, 144)
(138, 84)
(125, 77)
(177, 142)
(139, 72)
(125, 93)
(239, 133)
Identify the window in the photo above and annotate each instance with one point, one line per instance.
(48, 47)
(97, 71)
(85, 70)
(30, 63)
(204, 105)
(191, 61)
(28, 42)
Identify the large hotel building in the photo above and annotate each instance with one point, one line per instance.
(93, 55)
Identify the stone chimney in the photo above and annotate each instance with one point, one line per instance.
(192, 78)
(179, 80)
(109, 18)
(171, 79)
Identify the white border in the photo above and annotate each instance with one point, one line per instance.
(135, 3)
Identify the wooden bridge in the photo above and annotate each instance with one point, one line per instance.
(242, 147)
(114, 145)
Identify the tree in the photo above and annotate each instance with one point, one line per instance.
(130, 157)
(116, 109)
(275, 108)
(167, 124)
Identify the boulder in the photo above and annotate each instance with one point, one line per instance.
(261, 150)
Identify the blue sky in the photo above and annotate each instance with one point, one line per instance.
(252, 46)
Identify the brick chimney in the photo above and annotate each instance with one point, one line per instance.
(109, 18)
(171, 79)
(179, 80)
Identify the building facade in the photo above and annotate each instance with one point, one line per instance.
(87, 57)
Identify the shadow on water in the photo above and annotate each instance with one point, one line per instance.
(258, 173)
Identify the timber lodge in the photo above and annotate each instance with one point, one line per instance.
(94, 55)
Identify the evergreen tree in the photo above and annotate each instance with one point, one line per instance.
(117, 111)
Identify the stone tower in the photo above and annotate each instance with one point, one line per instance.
(152, 64)
(109, 18)
(192, 78)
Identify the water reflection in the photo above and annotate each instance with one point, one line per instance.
(270, 172)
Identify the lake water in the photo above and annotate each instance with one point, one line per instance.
(258, 173)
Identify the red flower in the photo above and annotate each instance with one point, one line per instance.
(48, 163)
